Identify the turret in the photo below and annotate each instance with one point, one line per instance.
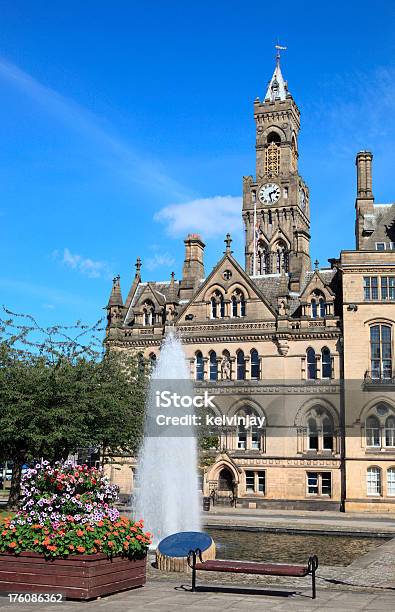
(115, 309)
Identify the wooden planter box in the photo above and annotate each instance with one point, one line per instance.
(76, 576)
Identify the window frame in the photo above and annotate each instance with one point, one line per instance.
(257, 482)
(390, 481)
(317, 478)
(374, 469)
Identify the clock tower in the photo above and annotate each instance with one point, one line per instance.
(276, 203)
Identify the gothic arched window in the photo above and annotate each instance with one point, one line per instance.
(312, 434)
(238, 304)
(390, 431)
(281, 257)
(241, 437)
(326, 363)
(213, 308)
(314, 309)
(327, 434)
(241, 366)
(372, 431)
(234, 306)
(213, 366)
(199, 366)
(148, 313)
(217, 305)
(262, 259)
(381, 351)
(242, 306)
(255, 373)
(311, 364)
(322, 308)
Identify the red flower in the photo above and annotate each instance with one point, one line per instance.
(12, 544)
(79, 532)
(81, 549)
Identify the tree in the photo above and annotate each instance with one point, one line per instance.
(59, 392)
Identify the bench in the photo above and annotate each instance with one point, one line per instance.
(196, 563)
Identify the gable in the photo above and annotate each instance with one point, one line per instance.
(227, 278)
(316, 283)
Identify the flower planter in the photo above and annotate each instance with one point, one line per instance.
(76, 576)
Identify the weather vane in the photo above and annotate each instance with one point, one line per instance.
(279, 48)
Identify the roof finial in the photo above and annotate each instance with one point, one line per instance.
(316, 264)
(138, 265)
(228, 242)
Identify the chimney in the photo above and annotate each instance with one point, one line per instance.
(193, 269)
(364, 175)
(364, 205)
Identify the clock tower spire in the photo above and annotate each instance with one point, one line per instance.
(276, 202)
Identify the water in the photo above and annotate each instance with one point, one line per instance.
(167, 495)
(290, 548)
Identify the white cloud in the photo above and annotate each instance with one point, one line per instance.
(210, 217)
(159, 260)
(85, 265)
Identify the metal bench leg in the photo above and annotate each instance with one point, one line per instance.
(193, 571)
(313, 564)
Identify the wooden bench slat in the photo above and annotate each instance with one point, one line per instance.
(241, 567)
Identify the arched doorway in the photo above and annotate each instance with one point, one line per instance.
(225, 480)
(225, 493)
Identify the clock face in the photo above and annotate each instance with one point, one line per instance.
(269, 193)
(302, 198)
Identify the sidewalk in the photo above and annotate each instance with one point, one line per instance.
(173, 597)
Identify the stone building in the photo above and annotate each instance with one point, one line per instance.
(310, 350)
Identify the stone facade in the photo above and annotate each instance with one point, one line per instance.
(310, 350)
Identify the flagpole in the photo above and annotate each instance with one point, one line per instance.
(255, 245)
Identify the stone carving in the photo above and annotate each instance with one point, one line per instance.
(225, 368)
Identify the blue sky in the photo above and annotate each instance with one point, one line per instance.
(127, 124)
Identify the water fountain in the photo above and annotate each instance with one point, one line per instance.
(167, 482)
